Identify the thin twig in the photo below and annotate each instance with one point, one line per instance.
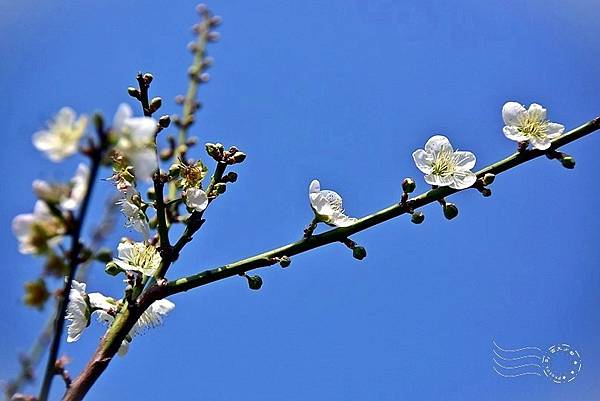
(74, 262)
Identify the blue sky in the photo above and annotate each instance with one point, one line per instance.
(342, 91)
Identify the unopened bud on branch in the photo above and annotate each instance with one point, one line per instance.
(450, 210)
(408, 185)
(359, 252)
(284, 261)
(254, 282)
(417, 217)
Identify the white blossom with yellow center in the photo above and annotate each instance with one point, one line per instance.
(443, 166)
(37, 231)
(61, 138)
(138, 256)
(327, 206)
(529, 125)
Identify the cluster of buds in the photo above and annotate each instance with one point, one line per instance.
(482, 184)
(232, 156)
(206, 33)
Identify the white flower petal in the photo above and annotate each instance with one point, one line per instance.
(537, 112)
(141, 128)
(440, 181)
(555, 130)
(123, 113)
(123, 348)
(438, 143)
(464, 160)
(196, 199)
(540, 143)
(315, 187)
(463, 179)
(513, 133)
(423, 160)
(65, 116)
(144, 164)
(512, 113)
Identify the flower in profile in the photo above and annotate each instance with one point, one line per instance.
(131, 206)
(139, 257)
(37, 232)
(443, 166)
(81, 306)
(196, 198)
(78, 311)
(327, 206)
(61, 138)
(529, 125)
(136, 141)
(67, 196)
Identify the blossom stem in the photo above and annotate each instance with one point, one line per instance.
(340, 233)
(74, 262)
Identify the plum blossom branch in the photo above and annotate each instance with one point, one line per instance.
(341, 233)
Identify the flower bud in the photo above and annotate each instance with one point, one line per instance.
(488, 178)
(220, 188)
(148, 78)
(201, 8)
(213, 151)
(239, 157)
(112, 269)
(204, 77)
(284, 261)
(164, 121)
(254, 282)
(103, 255)
(486, 192)
(568, 162)
(408, 185)
(230, 177)
(155, 104)
(216, 20)
(133, 92)
(213, 36)
(150, 193)
(359, 252)
(450, 210)
(417, 217)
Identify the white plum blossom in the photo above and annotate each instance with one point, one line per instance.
(67, 196)
(78, 311)
(138, 256)
(61, 138)
(152, 317)
(37, 231)
(443, 166)
(136, 218)
(81, 306)
(136, 141)
(327, 206)
(196, 198)
(529, 125)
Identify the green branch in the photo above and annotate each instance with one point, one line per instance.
(339, 234)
